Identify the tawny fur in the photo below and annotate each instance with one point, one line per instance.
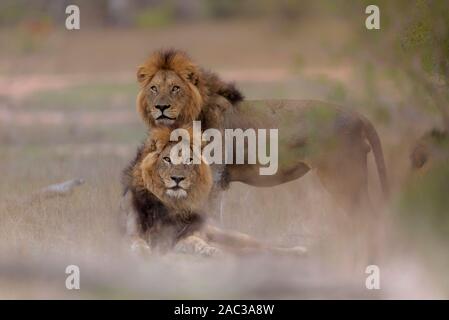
(160, 220)
(208, 95)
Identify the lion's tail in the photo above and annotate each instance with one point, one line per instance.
(373, 139)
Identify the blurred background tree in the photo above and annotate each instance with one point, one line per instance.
(413, 44)
(425, 44)
(127, 12)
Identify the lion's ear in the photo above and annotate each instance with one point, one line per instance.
(141, 74)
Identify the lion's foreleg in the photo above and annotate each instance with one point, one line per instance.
(131, 229)
(243, 243)
(231, 238)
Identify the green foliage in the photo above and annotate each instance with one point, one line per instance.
(337, 93)
(426, 37)
(423, 217)
(11, 12)
(424, 205)
(86, 97)
(282, 10)
(221, 8)
(160, 16)
(298, 62)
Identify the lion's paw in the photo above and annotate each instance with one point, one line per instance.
(140, 248)
(210, 251)
(201, 250)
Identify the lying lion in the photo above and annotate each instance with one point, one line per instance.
(169, 200)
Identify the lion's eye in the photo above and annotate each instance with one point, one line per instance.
(153, 89)
(175, 89)
(167, 159)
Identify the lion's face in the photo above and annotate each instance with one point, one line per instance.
(166, 96)
(171, 91)
(182, 186)
(177, 178)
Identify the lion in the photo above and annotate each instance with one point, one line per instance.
(165, 197)
(169, 200)
(313, 135)
(173, 91)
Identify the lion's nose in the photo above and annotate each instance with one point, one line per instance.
(162, 107)
(177, 179)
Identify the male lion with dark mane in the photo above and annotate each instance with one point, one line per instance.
(169, 198)
(166, 198)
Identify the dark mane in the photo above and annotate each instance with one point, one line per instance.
(222, 88)
(152, 214)
(166, 58)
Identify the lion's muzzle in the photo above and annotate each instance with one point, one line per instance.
(162, 116)
(176, 188)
